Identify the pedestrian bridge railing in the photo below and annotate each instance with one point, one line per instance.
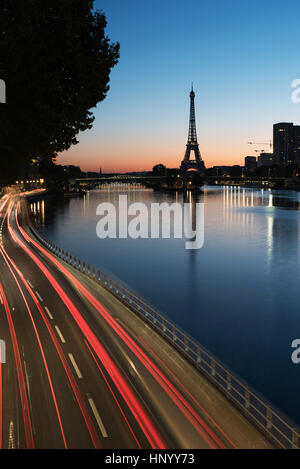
(277, 427)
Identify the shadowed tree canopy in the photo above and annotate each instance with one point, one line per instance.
(55, 60)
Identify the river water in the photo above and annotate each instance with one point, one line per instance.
(238, 295)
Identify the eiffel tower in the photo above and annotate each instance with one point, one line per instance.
(192, 144)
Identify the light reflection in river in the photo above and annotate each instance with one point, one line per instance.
(238, 295)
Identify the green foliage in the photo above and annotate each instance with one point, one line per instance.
(55, 59)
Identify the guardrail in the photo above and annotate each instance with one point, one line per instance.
(277, 427)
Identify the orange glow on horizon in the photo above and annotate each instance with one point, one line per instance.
(131, 160)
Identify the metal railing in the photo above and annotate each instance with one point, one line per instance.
(277, 427)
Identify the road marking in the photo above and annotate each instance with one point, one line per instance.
(60, 335)
(30, 284)
(11, 437)
(75, 365)
(38, 295)
(98, 418)
(27, 383)
(48, 312)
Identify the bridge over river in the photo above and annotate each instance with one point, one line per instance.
(175, 181)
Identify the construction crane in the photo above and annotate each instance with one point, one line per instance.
(261, 143)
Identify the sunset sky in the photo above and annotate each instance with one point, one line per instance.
(241, 56)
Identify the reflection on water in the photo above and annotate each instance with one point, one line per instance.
(238, 295)
(38, 209)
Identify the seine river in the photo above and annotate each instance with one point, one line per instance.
(238, 295)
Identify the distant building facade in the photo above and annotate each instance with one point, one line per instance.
(286, 139)
(219, 171)
(266, 159)
(250, 163)
(297, 144)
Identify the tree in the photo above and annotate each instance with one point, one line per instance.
(55, 60)
(159, 170)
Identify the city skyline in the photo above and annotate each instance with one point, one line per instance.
(242, 79)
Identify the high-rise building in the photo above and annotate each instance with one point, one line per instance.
(266, 159)
(286, 139)
(250, 163)
(297, 144)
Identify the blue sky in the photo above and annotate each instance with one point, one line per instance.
(241, 56)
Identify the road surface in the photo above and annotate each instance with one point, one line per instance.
(82, 371)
